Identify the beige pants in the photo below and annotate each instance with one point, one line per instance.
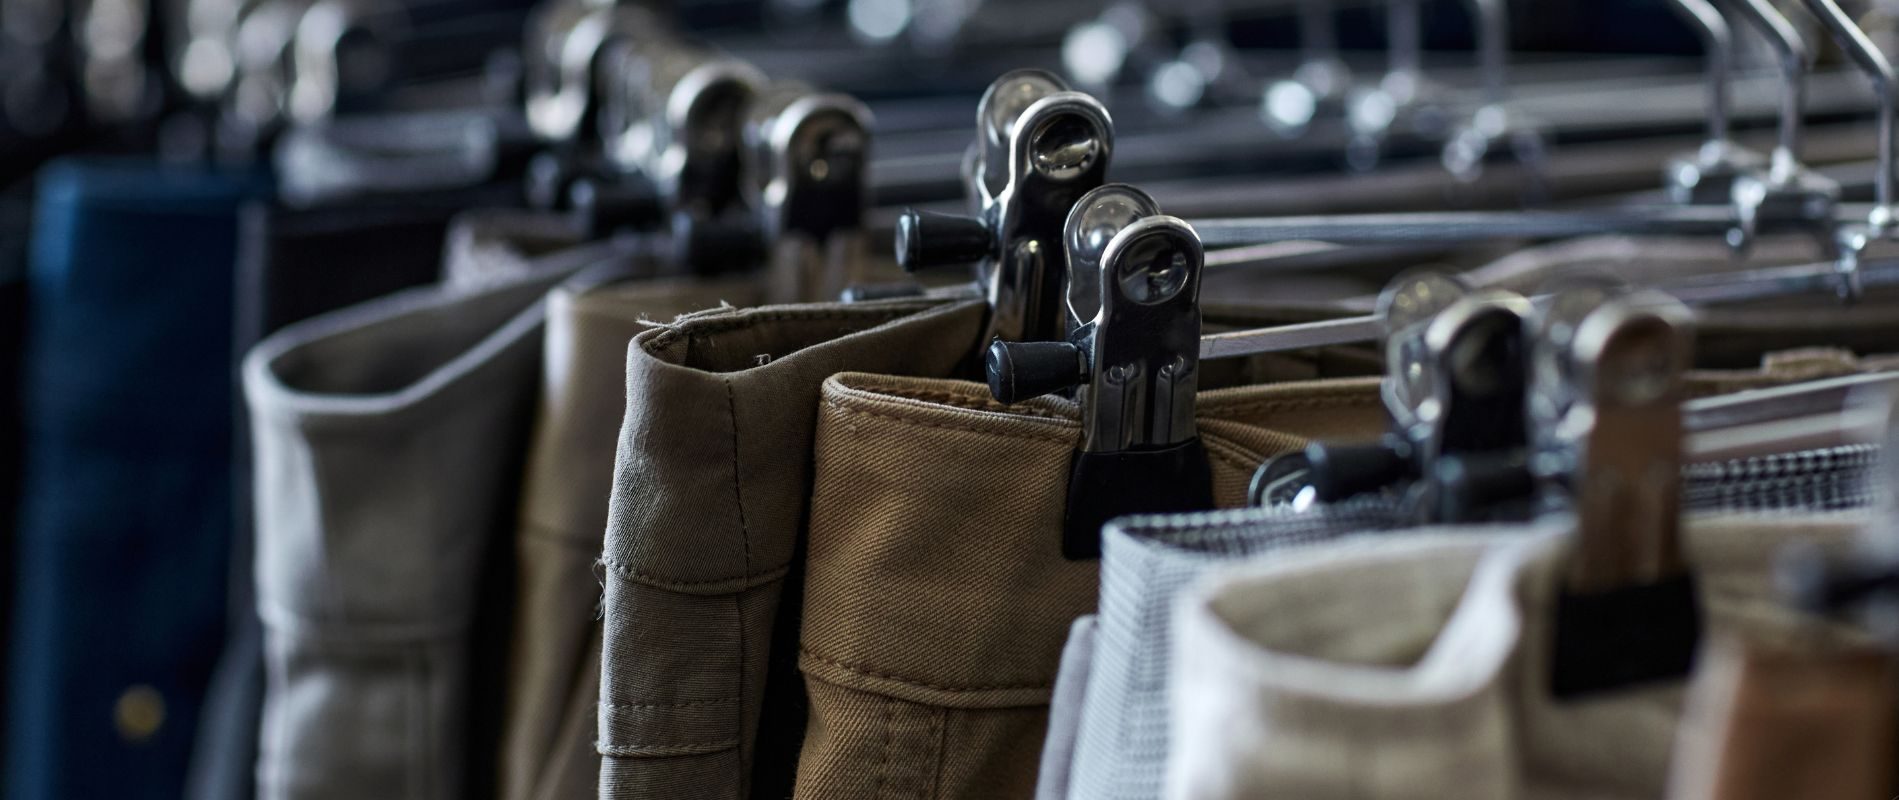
(1419, 666)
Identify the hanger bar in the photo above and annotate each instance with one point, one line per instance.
(1708, 290)
(1324, 333)
(1810, 398)
(914, 167)
(1459, 226)
(1255, 243)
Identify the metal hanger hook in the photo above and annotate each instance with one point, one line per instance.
(1717, 39)
(1879, 70)
(1794, 55)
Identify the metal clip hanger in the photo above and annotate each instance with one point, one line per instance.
(1319, 86)
(565, 42)
(808, 158)
(1403, 99)
(1039, 148)
(1863, 588)
(671, 126)
(1627, 612)
(1134, 365)
(1455, 382)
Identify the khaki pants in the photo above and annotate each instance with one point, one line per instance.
(554, 663)
(710, 490)
(937, 599)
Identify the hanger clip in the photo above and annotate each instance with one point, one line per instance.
(1040, 147)
(808, 159)
(1456, 378)
(1627, 612)
(1134, 364)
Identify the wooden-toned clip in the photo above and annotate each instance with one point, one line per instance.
(1627, 612)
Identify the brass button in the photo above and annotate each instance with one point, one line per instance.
(139, 713)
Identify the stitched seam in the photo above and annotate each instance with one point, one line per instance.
(639, 575)
(869, 673)
(1045, 437)
(627, 750)
(687, 704)
(699, 328)
(934, 788)
(738, 492)
(959, 401)
(1220, 410)
(883, 763)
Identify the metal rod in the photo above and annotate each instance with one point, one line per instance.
(1461, 226)
(1827, 396)
(1749, 285)
(1404, 39)
(1318, 34)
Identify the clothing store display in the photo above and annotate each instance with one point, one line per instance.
(1419, 665)
(125, 520)
(389, 441)
(546, 399)
(710, 491)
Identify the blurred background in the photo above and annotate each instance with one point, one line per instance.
(283, 125)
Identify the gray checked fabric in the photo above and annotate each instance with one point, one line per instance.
(1064, 709)
(1122, 742)
(699, 691)
(388, 444)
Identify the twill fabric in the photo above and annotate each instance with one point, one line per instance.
(935, 609)
(699, 694)
(554, 653)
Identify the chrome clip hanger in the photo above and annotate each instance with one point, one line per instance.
(1039, 148)
(807, 158)
(1133, 363)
